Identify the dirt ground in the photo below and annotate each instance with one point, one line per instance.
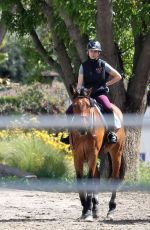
(32, 210)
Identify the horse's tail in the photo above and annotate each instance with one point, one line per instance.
(123, 167)
(105, 166)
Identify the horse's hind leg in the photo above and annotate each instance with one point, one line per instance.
(112, 205)
(116, 165)
(95, 202)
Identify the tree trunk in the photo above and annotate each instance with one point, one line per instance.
(132, 150)
(105, 30)
(3, 29)
(109, 52)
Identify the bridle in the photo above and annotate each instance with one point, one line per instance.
(90, 118)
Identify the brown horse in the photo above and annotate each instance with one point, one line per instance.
(87, 143)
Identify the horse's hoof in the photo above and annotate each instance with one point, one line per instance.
(110, 215)
(82, 217)
(95, 214)
(89, 218)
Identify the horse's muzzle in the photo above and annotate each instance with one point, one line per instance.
(84, 128)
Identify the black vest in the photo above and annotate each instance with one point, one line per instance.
(94, 74)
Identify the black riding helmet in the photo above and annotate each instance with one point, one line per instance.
(94, 45)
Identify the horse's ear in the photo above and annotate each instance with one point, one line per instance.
(72, 90)
(89, 91)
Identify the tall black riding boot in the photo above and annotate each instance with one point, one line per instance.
(65, 140)
(111, 135)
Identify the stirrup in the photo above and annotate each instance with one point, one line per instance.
(111, 137)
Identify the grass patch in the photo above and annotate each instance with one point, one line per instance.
(144, 172)
(35, 156)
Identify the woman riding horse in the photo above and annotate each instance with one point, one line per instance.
(94, 73)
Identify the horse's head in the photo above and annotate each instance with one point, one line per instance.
(83, 92)
(82, 104)
(81, 100)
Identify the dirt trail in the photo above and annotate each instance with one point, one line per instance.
(32, 210)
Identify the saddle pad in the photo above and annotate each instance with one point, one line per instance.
(118, 124)
(117, 121)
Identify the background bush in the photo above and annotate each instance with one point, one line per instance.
(41, 155)
(35, 99)
(144, 173)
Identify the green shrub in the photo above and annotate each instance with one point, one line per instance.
(144, 174)
(35, 99)
(8, 108)
(9, 104)
(9, 99)
(34, 156)
(31, 99)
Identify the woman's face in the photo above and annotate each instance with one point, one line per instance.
(93, 54)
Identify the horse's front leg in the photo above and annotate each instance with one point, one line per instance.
(82, 194)
(95, 210)
(91, 200)
(78, 163)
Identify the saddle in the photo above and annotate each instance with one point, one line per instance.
(117, 121)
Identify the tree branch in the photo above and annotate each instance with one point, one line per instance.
(39, 47)
(64, 60)
(3, 29)
(41, 50)
(74, 32)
